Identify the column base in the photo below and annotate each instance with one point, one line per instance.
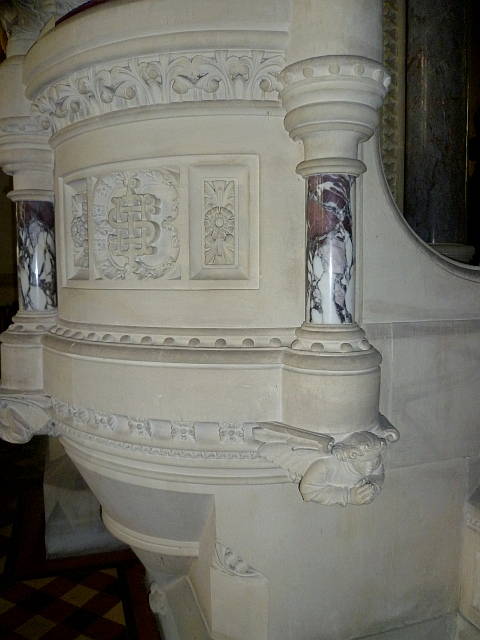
(331, 338)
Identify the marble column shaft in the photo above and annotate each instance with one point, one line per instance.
(330, 260)
(37, 286)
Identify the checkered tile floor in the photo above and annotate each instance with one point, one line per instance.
(85, 605)
(62, 601)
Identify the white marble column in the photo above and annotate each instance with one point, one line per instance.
(25, 154)
(330, 254)
(22, 361)
(37, 286)
(332, 104)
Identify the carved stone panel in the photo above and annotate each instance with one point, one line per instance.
(187, 222)
(77, 229)
(134, 215)
(222, 222)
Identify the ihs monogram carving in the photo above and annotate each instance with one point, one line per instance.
(131, 219)
(135, 232)
(211, 75)
(220, 221)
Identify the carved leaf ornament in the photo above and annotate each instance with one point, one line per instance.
(216, 75)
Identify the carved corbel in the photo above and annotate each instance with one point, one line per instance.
(330, 472)
(25, 416)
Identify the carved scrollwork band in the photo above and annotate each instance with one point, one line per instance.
(341, 471)
(161, 79)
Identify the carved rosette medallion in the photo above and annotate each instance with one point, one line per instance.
(135, 233)
(220, 222)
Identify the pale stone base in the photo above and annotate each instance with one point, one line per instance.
(180, 619)
(451, 627)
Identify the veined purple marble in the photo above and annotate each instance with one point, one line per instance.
(37, 285)
(330, 254)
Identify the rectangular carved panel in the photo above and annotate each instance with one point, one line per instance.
(77, 229)
(135, 237)
(224, 221)
(189, 222)
(220, 214)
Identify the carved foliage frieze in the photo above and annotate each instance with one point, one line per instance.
(178, 223)
(161, 79)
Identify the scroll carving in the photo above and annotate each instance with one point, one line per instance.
(210, 75)
(230, 563)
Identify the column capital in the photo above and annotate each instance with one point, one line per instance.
(26, 155)
(40, 195)
(332, 105)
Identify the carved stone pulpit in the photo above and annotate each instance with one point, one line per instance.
(217, 202)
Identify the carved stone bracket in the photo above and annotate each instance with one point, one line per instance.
(347, 470)
(24, 416)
